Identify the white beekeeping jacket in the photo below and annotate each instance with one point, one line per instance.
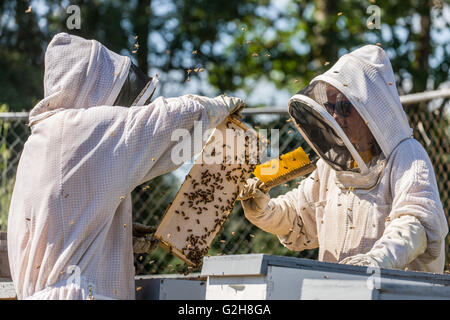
(388, 209)
(70, 219)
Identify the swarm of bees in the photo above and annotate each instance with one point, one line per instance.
(207, 196)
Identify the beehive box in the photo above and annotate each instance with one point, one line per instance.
(207, 196)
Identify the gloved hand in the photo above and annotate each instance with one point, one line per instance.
(235, 105)
(253, 199)
(364, 260)
(403, 240)
(143, 240)
(219, 107)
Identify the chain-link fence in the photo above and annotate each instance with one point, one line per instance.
(238, 236)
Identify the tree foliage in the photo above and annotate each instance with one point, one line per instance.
(237, 42)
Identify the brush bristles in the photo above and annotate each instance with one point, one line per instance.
(289, 176)
(286, 167)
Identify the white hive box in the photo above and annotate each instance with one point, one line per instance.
(170, 287)
(266, 277)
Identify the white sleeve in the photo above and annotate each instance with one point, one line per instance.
(292, 216)
(417, 224)
(152, 131)
(122, 148)
(403, 240)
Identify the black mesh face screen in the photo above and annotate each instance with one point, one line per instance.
(323, 137)
(133, 86)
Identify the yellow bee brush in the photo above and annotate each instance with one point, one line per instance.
(287, 167)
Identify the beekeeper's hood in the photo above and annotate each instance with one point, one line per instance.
(366, 79)
(82, 73)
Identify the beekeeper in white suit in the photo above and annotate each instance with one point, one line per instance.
(373, 199)
(70, 220)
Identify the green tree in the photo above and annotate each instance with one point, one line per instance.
(289, 46)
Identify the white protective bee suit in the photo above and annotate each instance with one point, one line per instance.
(385, 213)
(70, 219)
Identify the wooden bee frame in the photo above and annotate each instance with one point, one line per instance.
(207, 196)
